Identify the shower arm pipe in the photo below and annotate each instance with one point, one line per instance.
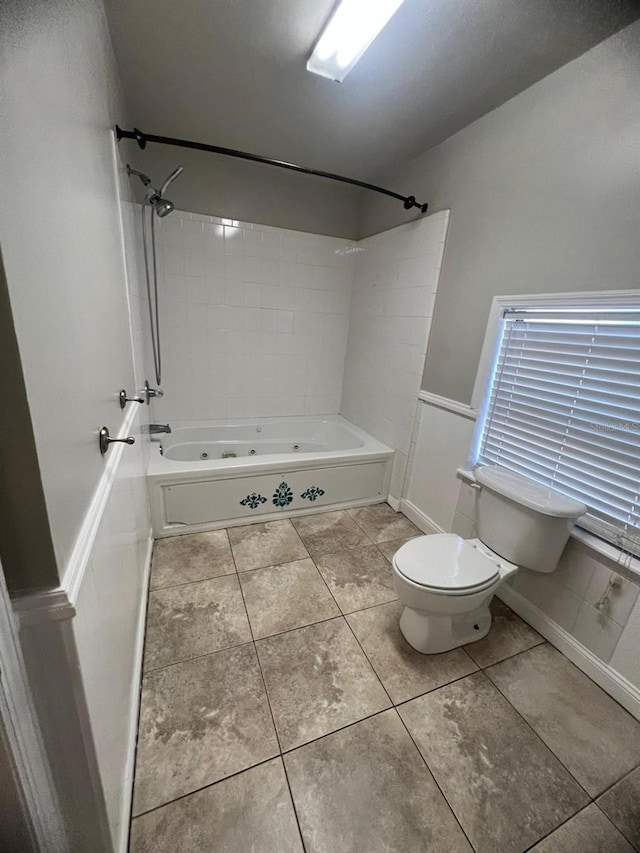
(142, 139)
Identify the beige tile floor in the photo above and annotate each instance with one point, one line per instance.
(282, 711)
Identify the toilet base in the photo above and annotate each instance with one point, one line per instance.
(432, 634)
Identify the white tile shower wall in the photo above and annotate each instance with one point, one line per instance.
(254, 319)
(395, 283)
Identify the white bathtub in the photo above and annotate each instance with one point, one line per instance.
(205, 476)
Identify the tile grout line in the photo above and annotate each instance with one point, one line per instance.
(360, 528)
(506, 658)
(222, 648)
(245, 769)
(342, 617)
(356, 639)
(530, 727)
(433, 689)
(205, 787)
(479, 670)
(395, 709)
(340, 610)
(617, 782)
(555, 828)
(431, 773)
(264, 761)
(266, 695)
(336, 731)
(270, 565)
(591, 800)
(393, 705)
(365, 507)
(237, 574)
(371, 607)
(396, 538)
(183, 583)
(338, 615)
(196, 657)
(569, 819)
(631, 843)
(197, 580)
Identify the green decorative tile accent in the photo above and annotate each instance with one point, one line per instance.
(312, 493)
(253, 500)
(283, 495)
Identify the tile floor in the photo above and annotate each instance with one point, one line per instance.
(282, 711)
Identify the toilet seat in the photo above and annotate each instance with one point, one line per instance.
(445, 564)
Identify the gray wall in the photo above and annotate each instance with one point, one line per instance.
(26, 547)
(61, 239)
(544, 195)
(15, 828)
(238, 189)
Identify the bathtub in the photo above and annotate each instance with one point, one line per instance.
(206, 476)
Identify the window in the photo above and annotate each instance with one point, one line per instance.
(562, 406)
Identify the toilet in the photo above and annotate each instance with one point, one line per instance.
(446, 583)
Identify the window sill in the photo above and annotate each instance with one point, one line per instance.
(591, 541)
(606, 550)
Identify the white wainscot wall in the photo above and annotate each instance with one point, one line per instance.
(395, 284)
(562, 605)
(109, 627)
(83, 643)
(439, 446)
(254, 319)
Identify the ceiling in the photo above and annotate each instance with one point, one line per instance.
(232, 72)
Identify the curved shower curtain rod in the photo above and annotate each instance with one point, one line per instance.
(142, 139)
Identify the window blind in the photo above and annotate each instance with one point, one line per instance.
(564, 409)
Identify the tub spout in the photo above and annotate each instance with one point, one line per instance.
(156, 429)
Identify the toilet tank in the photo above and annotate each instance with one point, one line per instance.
(524, 522)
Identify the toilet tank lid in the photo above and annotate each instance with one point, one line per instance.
(527, 492)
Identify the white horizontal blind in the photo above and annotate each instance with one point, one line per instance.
(564, 409)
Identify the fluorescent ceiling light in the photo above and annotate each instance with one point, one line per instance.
(350, 31)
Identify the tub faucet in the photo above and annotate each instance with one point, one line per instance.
(156, 429)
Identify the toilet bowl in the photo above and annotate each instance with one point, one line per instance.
(446, 583)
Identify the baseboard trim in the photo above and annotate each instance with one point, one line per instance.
(394, 502)
(618, 687)
(127, 793)
(426, 524)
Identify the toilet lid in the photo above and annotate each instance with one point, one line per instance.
(444, 561)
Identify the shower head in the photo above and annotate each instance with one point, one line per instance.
(162, 206)
(171, 178)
